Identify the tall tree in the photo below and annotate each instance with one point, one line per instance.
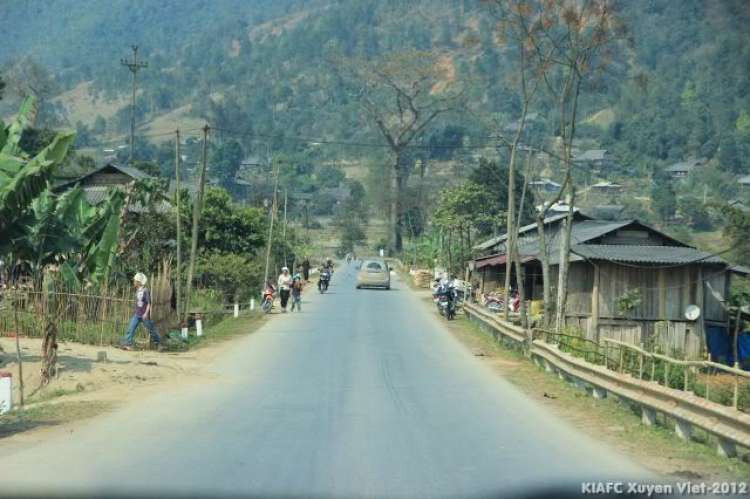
(569, 42)
(403, 94)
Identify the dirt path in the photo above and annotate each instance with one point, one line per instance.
(85, 387)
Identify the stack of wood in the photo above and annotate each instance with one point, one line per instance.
(422, 278)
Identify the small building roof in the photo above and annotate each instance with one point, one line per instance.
(645, 254)
(592, 155)
(744, 180)
(545, 182)
(685, 166)
(605, 212)
(601, 185)
(109, 168)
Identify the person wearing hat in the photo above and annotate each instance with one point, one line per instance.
(285, 285)
(142, 313)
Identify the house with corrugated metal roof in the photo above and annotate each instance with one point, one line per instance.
(611, 258)
(596, 159)
(684, 169)
(97, 183)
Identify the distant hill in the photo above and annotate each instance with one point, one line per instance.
(268, 66)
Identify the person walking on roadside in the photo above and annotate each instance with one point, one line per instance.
(297, 292)
(142, 314)
(285, 286)
(306, 269)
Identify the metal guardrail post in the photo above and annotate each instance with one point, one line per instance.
(708, 379)
(622, 353)
(606, 357)
(686, 370)
(640, 366)
(736, 387)
(653, 369)
(666, 374)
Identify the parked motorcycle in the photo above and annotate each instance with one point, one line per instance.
(269, 295)
(496, 303)
(447, 301)
(493, 302)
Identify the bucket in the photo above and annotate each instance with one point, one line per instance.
(6, 392)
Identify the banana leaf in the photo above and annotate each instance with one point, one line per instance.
(101, 258)
(17, 194)
(13, 132)
(10, 139)
(69, 274)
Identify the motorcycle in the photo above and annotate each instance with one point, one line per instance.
(492, 302)
(446, 301)
(269, 295)
(496, 303)
(325, 278)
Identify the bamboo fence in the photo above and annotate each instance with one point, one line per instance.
(86, 316)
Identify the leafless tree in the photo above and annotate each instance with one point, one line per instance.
(403, 94)
(563, 42)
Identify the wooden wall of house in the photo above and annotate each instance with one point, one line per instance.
(580, 286)
(717, 282)
(659, 319)
(675, 337)
(665, 291)
(492, 278)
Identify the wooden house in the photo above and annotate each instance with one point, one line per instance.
(596, 159)
(683, 169)
(609, 259)
(97, 183)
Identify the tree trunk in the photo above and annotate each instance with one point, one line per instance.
(562, 281)
(17, 331)
(544, 258)
(450, 253)
(737, 326)
(49, 354)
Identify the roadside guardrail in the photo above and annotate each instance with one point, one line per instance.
(730, 427)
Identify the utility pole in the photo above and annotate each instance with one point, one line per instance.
(179, 225)
(270, 229)
(134, 66)
(197, 210)
(286, 264)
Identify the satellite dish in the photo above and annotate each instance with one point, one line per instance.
(692, 312)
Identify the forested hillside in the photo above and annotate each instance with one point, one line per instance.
(272, 65)
(277, 75)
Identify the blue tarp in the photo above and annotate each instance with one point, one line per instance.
(720, 346)
(743, 347)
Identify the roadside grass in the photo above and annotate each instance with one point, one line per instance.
(657, 448)
(227, 328)
(46, 415)
(47, 395)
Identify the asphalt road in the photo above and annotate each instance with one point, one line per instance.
(363, 394)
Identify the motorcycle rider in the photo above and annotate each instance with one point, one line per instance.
(326, 268)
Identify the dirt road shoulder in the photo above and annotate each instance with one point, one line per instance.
(85, 387)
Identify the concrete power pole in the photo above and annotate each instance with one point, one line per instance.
(270, 228)
(134, 66)
(197, 212)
